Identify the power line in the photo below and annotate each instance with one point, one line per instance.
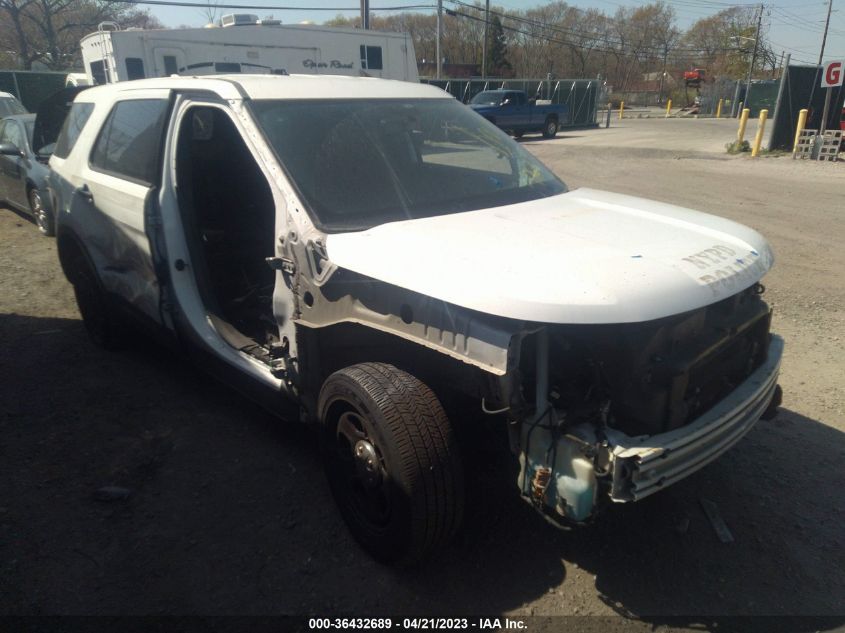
(655, 50)
(610, 51)
(204, 5)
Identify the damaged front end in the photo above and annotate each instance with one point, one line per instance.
(622, 411)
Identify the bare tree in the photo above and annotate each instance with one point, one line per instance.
(48, 31)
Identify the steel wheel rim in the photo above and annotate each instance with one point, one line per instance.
(38, 211)
(363, 470)
(552, 127)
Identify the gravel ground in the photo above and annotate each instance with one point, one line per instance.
(229, 512)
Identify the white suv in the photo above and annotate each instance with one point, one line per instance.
(378, 256)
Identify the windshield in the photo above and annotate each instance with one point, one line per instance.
(10, 106)
(360, 163)
(488, 97)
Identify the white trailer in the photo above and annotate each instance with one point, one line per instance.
(247, 46)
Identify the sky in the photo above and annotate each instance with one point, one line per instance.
(795, 26)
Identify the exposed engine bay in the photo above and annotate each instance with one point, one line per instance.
(600, 391)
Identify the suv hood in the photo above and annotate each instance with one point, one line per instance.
(585, 256)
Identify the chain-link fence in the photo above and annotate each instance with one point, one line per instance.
(581, 95)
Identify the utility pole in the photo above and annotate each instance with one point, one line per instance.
(828, 92)
(438, 59)
(821, 59)
(663, 73)
(365, 14)
(753, 56)
(826, 26)
(484, 44)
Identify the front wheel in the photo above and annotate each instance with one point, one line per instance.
(392, 461)
(43, 218)
(550, 128)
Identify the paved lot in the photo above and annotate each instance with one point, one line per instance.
(230, 514)
(704, 135)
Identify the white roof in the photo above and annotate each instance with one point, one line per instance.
(7, 95)
(279, 87)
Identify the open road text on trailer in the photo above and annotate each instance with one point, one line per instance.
(249, 45)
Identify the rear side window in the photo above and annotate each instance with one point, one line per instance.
(134, 68)
(129, 141)
(72, 128)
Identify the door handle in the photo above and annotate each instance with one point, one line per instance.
(85, 192)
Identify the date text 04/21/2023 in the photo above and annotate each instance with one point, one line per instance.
(415, 623)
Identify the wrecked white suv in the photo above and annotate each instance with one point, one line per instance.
(373, 252)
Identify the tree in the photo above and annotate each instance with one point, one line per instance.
(726, 42)
(497, 58)
(48, 31)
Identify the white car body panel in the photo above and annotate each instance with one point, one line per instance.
(585, 256)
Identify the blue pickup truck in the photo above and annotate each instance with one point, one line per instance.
(515, 113)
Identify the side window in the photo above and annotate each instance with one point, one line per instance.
(371, 57)
(134, 68)
(10, 106)
(170, 65)
(227, 67)
(72, 128)
(129, 141)
(12, 134)
(98, 72)
(520, 98)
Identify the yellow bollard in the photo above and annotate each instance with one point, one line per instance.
(668, 107)
(802, 121)
(755, 151)
(719, 109)
(743, 121)
(621, 109)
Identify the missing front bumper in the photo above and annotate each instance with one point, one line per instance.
(559, 472)
(644, 465)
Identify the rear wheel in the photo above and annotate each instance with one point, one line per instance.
(43, 218)
(550, 127)
(392, 461)
(101, 321)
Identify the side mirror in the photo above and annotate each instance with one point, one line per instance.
(10, 149)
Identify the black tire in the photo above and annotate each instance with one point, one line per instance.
(550, 127)
(103, 324)
(43, 217)
(400, 487)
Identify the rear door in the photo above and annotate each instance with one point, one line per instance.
(121, 174)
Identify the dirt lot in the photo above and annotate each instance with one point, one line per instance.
(230, 514)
